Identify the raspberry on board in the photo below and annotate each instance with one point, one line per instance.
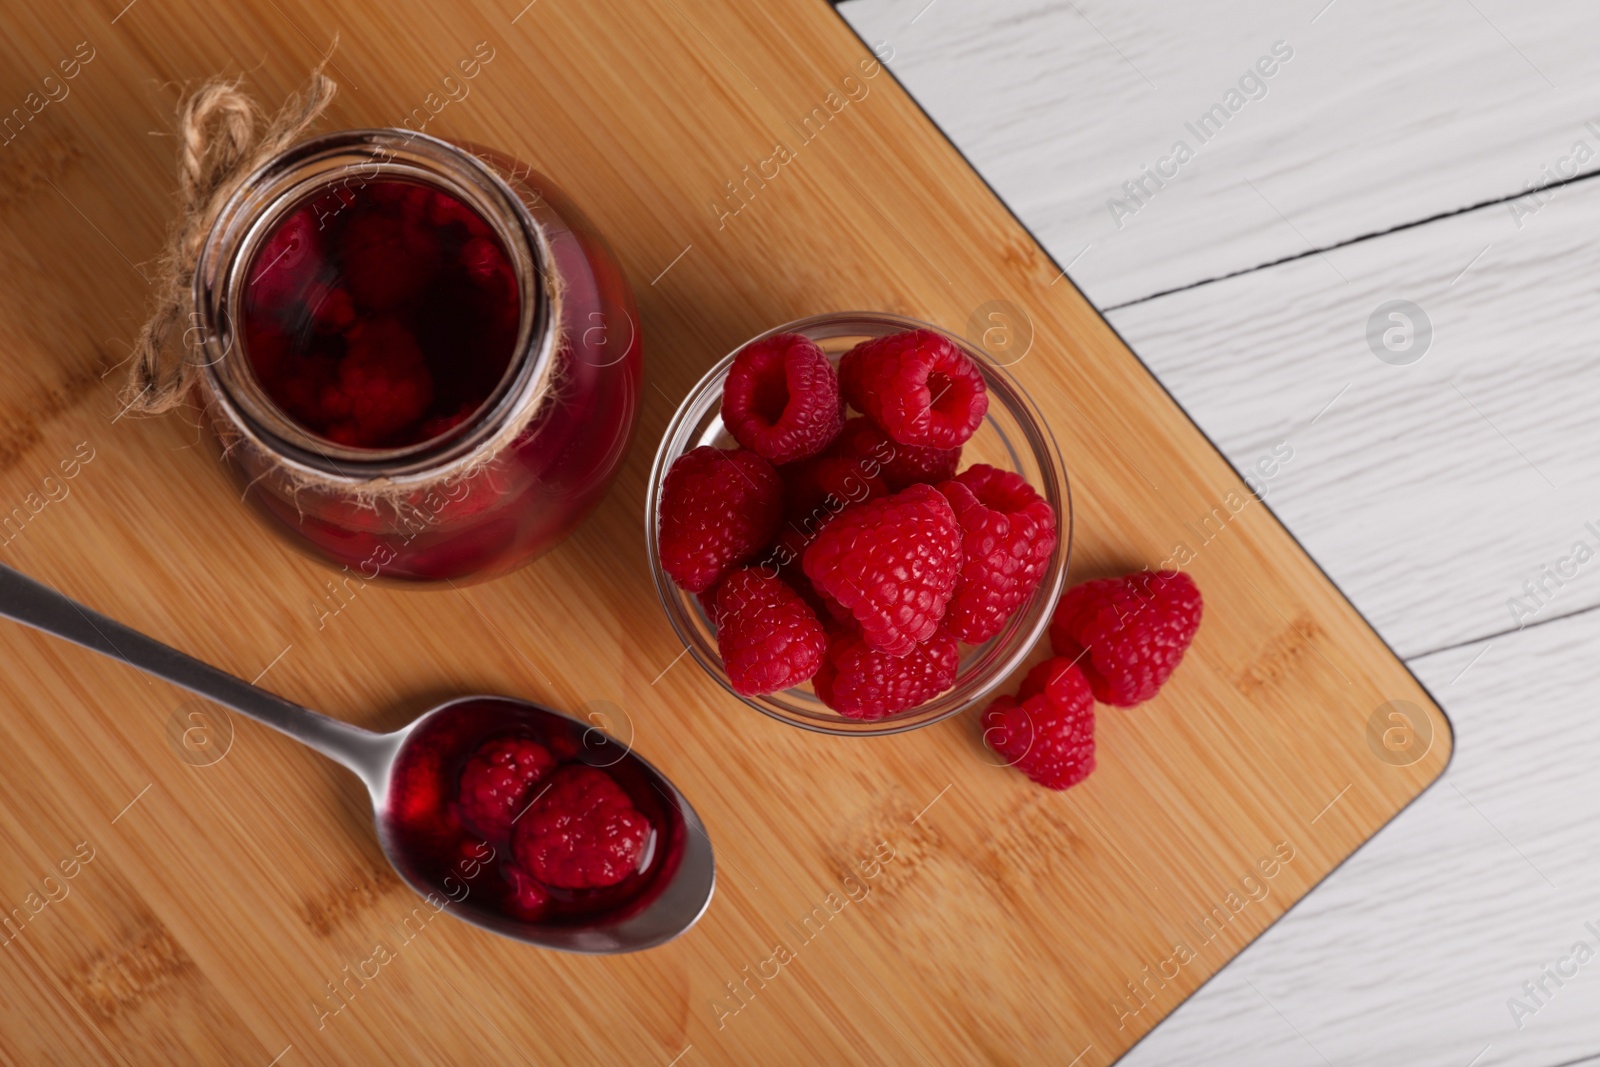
(769, 637)
(1135, 629)
(1057, 678)
(781, 398)
(892, 563)
(860, 682)
(497, 783)
(582, 833)
(898, 465)
(1046, 732)
(718, 508)
(1008, 535)
(917, 386)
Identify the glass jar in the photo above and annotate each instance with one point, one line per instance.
(526, 456)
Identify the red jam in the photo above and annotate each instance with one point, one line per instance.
(383, 320)
(494, 877)
(382, 350)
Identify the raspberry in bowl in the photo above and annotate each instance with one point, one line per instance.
(864, 551)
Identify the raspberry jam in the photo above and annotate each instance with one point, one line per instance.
(485, 869)
(384, 322)
(420, 361)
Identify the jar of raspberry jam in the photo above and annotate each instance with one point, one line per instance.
(419, 358)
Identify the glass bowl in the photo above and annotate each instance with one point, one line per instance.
(1013, 437)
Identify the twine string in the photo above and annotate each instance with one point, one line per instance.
(223, 138)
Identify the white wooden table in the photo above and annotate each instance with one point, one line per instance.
(1395, 152)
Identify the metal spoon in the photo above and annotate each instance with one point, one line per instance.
(395, 766)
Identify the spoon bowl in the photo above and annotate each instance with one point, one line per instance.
(454, 868)
(412, 776)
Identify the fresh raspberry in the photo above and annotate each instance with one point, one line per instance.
(861, 683)
(918, 386)
(893, 562)
(835, 610)
(769, 637)
(1135, 628)
(708, 602)
(815, 491)
(786, 568)
(818, 488)
(781, 399)
(786, 552)
(1058, 678)
(898, 465)
(822, 604)
(718, 508)
(497, 783)
(1008, 534)
(1049, 735)
(583, 833)
(783, 557)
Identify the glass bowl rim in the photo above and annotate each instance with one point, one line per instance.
(667, 592)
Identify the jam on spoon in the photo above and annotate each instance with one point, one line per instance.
(610, 858)
(556, 823)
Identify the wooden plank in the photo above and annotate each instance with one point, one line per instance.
(1430, 492)
(1008, 924)
(1427, 514)
(1386, 114)
(1411, 954)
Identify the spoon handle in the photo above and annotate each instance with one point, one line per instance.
(34, 604)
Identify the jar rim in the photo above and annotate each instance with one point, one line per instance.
(357, 157)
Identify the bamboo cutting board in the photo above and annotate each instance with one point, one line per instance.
(898, 900)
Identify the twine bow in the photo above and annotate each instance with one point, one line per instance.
(223, 138)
